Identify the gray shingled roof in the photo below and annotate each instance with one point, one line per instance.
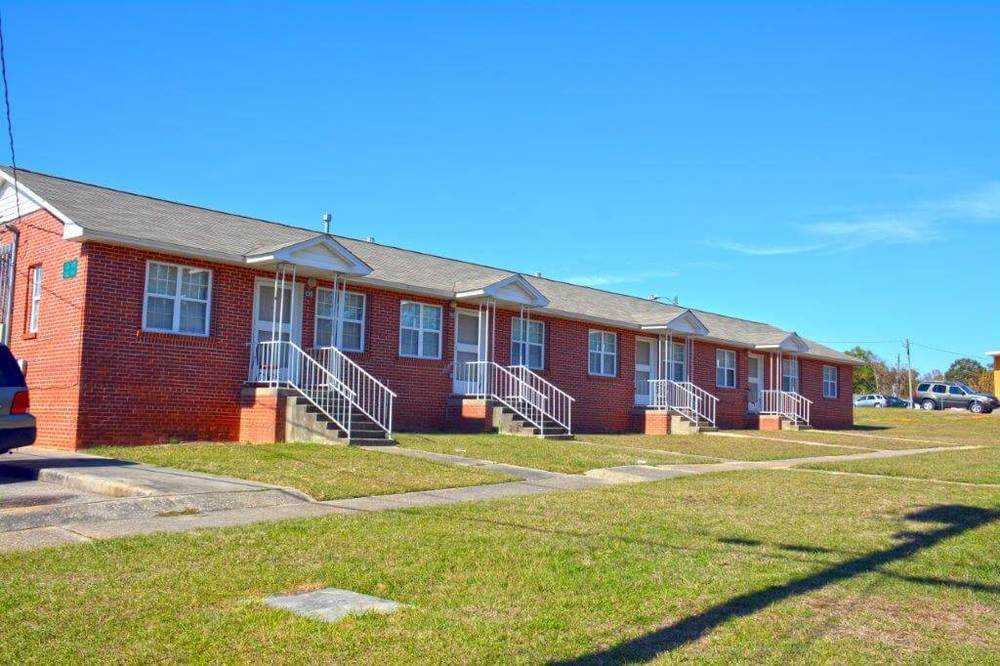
(148, 219)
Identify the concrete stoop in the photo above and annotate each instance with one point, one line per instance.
(506, 421)
(681, 425)
(305, 423)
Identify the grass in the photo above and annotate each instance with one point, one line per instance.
(569, 456)
(944, 426)
(321, 471)
(970, 466)
(721, 447)
(767, 566)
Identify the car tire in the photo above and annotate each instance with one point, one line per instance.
(928, 404)
(976, 407)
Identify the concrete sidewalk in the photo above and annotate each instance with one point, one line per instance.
(52, 497)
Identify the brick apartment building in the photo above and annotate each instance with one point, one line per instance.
(143, 320)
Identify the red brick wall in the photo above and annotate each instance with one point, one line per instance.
(137, 387)
(53, 354)
(262, 415)
(603, 404)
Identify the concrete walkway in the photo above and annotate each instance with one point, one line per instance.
(50, 497)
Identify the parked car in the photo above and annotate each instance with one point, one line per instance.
(896, 401)
(942, 395)
(17, 426)
(870, 400)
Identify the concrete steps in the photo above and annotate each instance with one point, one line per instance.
(682, 425)
(304, 422)
(509, 422)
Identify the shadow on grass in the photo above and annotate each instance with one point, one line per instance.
(956, 519)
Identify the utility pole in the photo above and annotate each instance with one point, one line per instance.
(896, 388)
(909, 370)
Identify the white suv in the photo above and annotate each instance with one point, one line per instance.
(870, 400)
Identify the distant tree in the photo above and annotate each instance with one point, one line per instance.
(865, 377)
(932, 375)
(967, 370)
(984, 382)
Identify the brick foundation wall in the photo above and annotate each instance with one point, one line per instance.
(262, 415)
(53, 353)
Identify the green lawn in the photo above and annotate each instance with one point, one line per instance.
(971, 466)
(769, 566)
(321, 471)
(944, 426)
(725, 448)
(569, 456)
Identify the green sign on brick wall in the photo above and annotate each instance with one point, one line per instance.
(69, 269)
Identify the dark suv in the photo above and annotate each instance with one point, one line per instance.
(17, 426)
(941, 395)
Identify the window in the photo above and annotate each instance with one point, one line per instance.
(725, 368)
(178, 299)
(924, 387)
(829, 381)
(351, 321)
(790, 375)
(603, 353)
(938, 388)
(36, 299)
(955, 390)
(676, 362)
(420, 330)
(527, 343)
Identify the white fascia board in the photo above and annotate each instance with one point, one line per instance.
(685, 323)
(77, 233)
(39, 200)
(291, 254)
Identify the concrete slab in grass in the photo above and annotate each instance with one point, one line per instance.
(331, 604)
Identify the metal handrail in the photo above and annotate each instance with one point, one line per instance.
(490, 380)
(373, 398)
(558, 403)
(283, 364)
(685, 398)
(789, 404)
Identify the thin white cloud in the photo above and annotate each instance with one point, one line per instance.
(915, 223)
(610, 279)
(768, 250)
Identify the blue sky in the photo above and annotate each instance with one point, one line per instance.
(830, 168)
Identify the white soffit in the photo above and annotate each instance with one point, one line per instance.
(686, 323)
(791, 343)
(513, 289)
(322, 253)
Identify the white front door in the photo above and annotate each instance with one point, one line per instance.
(468, 348)
(755, 384)
(645, 369)
(268, 363)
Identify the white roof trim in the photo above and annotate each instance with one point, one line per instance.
(791, 342)
(512, 289)
(686, 323)
(322, 253)
(40, 201)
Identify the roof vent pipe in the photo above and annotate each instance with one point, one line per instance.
(326, 223)
(370, 239)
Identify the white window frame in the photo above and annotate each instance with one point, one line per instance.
(175, 330)
(725, 356)
(36, 298)
(790, 363)
(526, 356)
(604, 353)
(341, 320)
(832, 384)
(673, 362)
(420, 330)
